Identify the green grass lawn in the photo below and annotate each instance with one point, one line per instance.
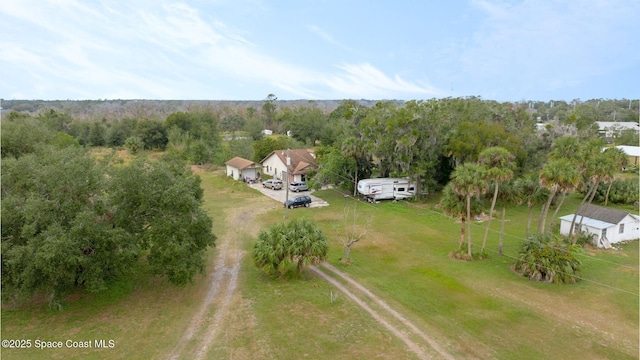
(502, 315)
(475, 309)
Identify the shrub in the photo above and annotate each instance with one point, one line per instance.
(547, 258)
(134, 144)
(298, 242)
(622, 191)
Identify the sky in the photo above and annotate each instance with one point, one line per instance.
(504, 50)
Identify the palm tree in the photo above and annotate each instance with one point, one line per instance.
(454, 205)
(298, 242)
(469, 180)
(511, 193)
(500, 163)
(620, 159)
(601, 166)
(532, 193)
(557, 175)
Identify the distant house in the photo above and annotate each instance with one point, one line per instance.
(609, 129)
(302, 161)
(606, 226)
(239, 168)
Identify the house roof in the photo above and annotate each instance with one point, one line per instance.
(630, 150)
(621, 125)
(596, 224)
(241, 164)
(302, 160)
(602, 213)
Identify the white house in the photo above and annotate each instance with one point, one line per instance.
(606, 226)
(239, 168)
(302, 161)
(609, 129)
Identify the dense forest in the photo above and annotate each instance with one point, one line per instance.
(422, 139)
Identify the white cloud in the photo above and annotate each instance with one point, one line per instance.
(366, 79)
(167, 50)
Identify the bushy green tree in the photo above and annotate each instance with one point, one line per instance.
(22, 136)
(547, 258)
(133, 144)
(55, 228)
(97, 134)
(470, 138)
(119, 132)
(232, 123)
(298, 243)
(67, 225)
(55, 120)
(152, 134)
(195, 136)
(242, 148)
(308, 125)
(262, 148)
(160, 203)
(335, 168)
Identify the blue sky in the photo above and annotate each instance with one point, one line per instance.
(504, 50)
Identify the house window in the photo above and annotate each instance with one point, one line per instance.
(621, 228)
(576, 228)
(400, 189)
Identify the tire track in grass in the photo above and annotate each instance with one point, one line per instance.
(403, 331)
(223, 286)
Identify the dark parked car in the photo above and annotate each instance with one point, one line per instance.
(272, 184)
(298, 186)
(298, 201)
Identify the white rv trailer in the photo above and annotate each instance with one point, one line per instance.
(386, 189)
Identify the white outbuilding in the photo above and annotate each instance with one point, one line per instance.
(606, 226)
(243, 169)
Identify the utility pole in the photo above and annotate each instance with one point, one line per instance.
(286, 208)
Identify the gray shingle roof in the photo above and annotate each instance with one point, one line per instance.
(602, 213)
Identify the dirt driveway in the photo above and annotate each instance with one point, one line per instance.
(223, 303)
(280, 195)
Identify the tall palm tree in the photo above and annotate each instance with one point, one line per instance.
(598, 167)
(557, 175)
(469, 180)
(500, 164)
(510, 193)
(620, 159)
(532, 193)
(454, 205)
(601, 167)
